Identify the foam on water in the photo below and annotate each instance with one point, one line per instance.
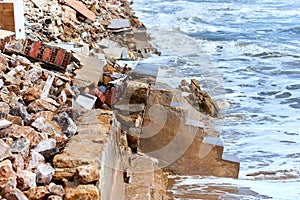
(246, 54)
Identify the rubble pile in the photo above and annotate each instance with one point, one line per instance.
(88, 22)
(35, 125)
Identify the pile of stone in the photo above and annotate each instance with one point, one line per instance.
(35, 124)
(87, 22)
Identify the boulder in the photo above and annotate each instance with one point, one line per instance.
(83, 192)
(88, 173)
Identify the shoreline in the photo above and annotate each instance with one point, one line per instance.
(101, 140)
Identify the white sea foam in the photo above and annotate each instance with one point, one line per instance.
(245, 53)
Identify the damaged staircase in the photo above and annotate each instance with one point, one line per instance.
(181, 138)
(171, 137)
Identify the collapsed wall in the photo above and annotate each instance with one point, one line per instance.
(141, 130)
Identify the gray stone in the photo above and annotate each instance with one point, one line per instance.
(35, 159)
(26, 179)
(39, 123)
(44, 173)
(21, 145)
(46, 145)
(68, 126)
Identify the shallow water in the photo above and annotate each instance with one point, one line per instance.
(246, 54)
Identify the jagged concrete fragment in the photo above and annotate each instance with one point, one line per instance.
(174, 133)
(4, 123)
(146, 180)
(15, 194)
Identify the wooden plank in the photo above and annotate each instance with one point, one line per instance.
(81, 8)
(8, 6)
(47, 86)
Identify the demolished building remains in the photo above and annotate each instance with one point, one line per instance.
(82, 118)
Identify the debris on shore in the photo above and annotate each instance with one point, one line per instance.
(74, 103)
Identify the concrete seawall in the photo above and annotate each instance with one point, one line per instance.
(82, 117)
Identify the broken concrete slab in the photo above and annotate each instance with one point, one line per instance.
(173, 136)
(114, 52)
(146, 181)
(86, 100)
(91, 72)
(119, 24)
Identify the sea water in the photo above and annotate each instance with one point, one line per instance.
(246, 54)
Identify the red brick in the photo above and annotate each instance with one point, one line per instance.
(34, 49)
(60, 56)
(47, 53)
